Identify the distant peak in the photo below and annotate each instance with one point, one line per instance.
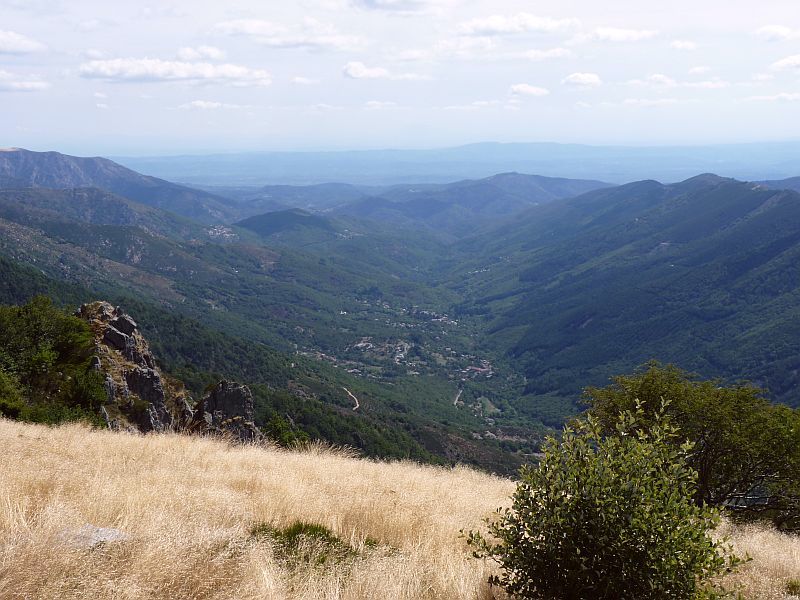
(707, 178)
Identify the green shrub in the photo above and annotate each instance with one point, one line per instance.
(746, 450)
(306, 543)
(11, 403)
(793, 587)
(45, 365)
(607, 518)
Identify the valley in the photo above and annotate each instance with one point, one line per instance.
(465, 318)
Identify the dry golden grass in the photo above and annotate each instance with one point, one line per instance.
(188, 504)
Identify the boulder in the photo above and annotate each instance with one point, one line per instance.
(115, 338)
(124, 322)
(90, 537)
(227, 409)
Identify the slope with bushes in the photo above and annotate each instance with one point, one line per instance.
(101, 514)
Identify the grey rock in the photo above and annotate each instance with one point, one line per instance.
(116, 339)
(111, 389)
(90, 537)
(231, 399)
(124, 323)
(146, 383)
(227, 409)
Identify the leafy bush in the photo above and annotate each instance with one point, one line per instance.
(45, 365)
(607, 518)
(746, 450)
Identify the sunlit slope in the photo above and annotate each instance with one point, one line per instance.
(188, 504)
(184, 509)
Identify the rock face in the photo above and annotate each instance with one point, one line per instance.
(138, 395)
(227, 409)
(141, 398)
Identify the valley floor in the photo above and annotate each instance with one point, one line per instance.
(186, 508)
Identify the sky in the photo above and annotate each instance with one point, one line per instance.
(110, 77)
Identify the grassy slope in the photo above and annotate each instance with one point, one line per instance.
(188, 505)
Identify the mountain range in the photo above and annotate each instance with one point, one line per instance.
(466, 316)
(617, 164)
(21, 168)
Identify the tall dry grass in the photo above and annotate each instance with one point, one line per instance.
(187, 505)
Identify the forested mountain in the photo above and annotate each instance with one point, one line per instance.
(451, 210)
(95, 207)
(467, 314)
(23, 168)
(703, 273)
(459, 208)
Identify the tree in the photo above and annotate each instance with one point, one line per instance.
(745, 449)
(45, 365)
(608, 517)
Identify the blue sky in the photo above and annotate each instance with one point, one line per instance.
(108, 77)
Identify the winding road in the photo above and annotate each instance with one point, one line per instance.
(349, 393)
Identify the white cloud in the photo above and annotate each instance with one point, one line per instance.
(614, 34)
(460, 48)
(154, 69)
(525, 89)
(463, 48)
(473, 106)
(100, 95)
(408, 7)
(649, 102)
(684, 45)
(209, 105)
(93, 54)
(699, 70)
(323, 107)
(378, 105)
(16, 43)
(778, 33)
(515, 24)
(13, 83)
(711, 84)
(358, 70)
(655, 80)
(304, 81)
(790, 62)
(102, 106)
(763, 77)
(552, 53)
(585, 80)
(200, 52)
(783, 97)
(661, 81)
(312, 34)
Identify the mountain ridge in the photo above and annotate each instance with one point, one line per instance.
(53, 170)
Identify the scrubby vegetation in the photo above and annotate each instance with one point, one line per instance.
(608, 517)
(745, 449)
(189, 507)
(45, 365)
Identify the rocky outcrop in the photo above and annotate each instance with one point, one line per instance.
(140, 397)
(227, 409)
